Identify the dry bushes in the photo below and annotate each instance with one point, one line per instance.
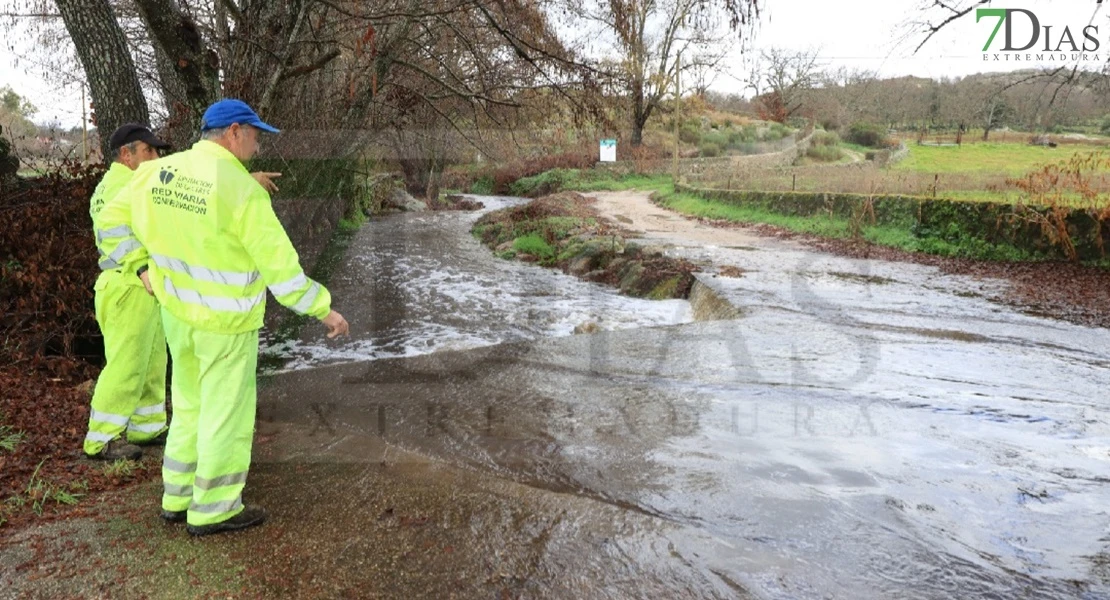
(47, 270)
(1062, 189)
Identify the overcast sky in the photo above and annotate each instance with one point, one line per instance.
(877, 35)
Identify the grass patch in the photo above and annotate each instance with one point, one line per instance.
(9, 438)
(119, 469)
(562, 231)
(535, 245)
(1011, 159)
(842, 228)
(857, 147)
(600, 181)
(176, 566)
(546, 221)
(39, 493)
(587, 180)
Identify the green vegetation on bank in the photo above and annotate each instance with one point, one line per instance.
(592, 180)
(943, 243)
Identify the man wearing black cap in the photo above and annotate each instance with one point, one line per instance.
(129, 402)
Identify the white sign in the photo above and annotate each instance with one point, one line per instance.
(608, 150)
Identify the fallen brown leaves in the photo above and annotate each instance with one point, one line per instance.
(50, 344)
(52, 415)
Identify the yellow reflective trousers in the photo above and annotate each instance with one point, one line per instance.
(130, 394)
(208, 452)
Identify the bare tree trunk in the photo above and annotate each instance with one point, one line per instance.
(990, 122)
(196, 66)
(113, 82)
(639, 118)
(180, 128)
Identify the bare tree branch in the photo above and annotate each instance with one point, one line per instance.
(934, 29)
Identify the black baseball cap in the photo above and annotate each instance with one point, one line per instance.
(134, 132)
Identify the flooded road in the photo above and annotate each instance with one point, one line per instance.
(418, 283)
(863, 430)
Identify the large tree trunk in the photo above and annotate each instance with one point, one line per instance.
(196, 66)
(639, 114)
(114, 85)
(180, 126)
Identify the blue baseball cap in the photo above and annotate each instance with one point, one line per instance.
(225, 113)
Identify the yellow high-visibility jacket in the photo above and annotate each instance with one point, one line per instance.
(212, 241)
(111, 243)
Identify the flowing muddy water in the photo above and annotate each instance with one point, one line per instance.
(862, 430)
(418, 283)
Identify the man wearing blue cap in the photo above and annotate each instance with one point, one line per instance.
(213, 246)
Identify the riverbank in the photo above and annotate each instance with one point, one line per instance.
(563, 231)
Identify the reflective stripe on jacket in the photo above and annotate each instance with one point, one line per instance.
(213, 242)
(115, 246)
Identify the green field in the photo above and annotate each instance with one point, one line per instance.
(1008, 159)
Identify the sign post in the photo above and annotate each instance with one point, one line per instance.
(608, 150)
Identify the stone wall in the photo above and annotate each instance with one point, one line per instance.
(1021, 227)
(310, 223)
(886, 158)
(709, 167)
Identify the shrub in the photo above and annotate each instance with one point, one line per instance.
(47, 271)
(868, 134)
(709, 150)
(689, 134)
(825, 153)
(483, 185)
(776, 132)
(504, 176)
(720, 139)
(1105, 126)
(825, 138)
(540, 185)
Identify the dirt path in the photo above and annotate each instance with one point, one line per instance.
(634, 211)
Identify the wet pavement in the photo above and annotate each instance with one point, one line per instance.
(863, 430)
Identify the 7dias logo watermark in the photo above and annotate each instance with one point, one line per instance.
(1027, 39)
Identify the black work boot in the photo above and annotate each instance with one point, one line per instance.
(174, 516)
(117, 449)
(158, 440)
(249, 517)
